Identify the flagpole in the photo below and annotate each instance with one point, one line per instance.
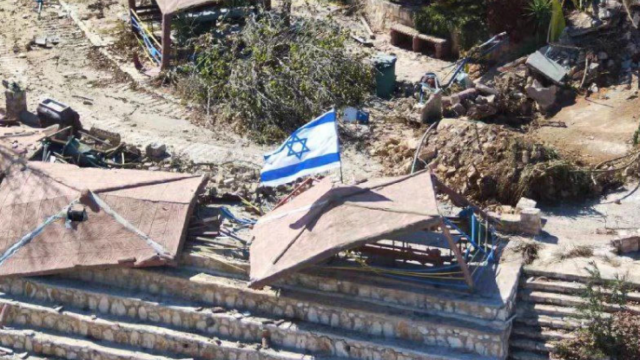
(338, 141)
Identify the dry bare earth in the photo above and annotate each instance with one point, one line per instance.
(597, 129)
(71, 72)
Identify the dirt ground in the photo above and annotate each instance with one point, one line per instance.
(594, 129)
(74, 73)
(597, 129)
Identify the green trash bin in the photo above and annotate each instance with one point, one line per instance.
(385, 74)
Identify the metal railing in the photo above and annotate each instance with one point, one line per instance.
(151, 45)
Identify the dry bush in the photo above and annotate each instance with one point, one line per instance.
(277, 74)
(578, 251)
(529, 250)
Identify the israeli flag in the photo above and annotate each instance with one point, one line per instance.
(311, 149)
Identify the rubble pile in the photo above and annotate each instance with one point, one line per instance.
(594, 52)
(489, 163)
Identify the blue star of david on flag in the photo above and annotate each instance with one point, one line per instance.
(297, 147)
(311, 149)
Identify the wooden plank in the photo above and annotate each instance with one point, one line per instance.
(458, 255)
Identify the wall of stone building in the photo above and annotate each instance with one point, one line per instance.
(381, 14)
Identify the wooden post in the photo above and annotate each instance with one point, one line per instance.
(132, 8)
(166, 41)
(458, 254)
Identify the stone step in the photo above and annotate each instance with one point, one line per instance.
(528, 309)
(550, 322)
(388, 292)
(564, 287)
(532, 345)
(551, 275)
(186, 316)
(544, 334)
(46, 344)
(365, 318)
(26, 356)
(525, 355)
(145, 338)
(542, 297)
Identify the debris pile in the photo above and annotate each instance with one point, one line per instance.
(490, 163)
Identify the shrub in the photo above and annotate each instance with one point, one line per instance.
(464, 18)
(277, 74)
(603, 335)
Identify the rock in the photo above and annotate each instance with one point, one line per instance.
(486, 90)
(525, 203)
(432, 109)
(156, 150)
(428, 153)
(464, 95)
(459, 109)
(481, 111)
(490, 99)
(545, 97)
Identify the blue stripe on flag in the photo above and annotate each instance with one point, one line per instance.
(328, 117)
(323, 119)
(296, 168)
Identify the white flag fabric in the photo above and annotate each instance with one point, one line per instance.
(311, 149)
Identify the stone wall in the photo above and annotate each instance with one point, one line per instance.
(222, 292)
(243, 327)
(438, 304)
(381, 14)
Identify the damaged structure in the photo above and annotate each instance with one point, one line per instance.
(395, 221)
(142, 13)
(78, 218)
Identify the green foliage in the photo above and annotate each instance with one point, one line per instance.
(558, 22)
(464, 18)
(603, 335)
(540, 12)
(274, 77)
(581, 5)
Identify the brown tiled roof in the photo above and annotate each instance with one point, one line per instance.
(150, 208)
(327, 219)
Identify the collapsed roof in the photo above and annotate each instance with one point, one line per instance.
(328, 219)
(55, 217)
(176, 6)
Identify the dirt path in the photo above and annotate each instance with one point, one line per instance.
(596, 129)
(68, 72)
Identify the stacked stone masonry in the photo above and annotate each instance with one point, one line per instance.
(428, 301)
(238, 326)
(363, 318)
(205, 310)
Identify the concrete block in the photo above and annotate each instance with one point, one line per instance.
(525, 203)
(531, 221)
(627, 245)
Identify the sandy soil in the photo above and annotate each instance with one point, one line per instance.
(597, 129)
(68, 72)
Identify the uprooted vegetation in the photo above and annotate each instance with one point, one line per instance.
(275, 74)
(491, 163)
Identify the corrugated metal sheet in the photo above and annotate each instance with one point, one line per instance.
(327, 219)
(157, 204)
